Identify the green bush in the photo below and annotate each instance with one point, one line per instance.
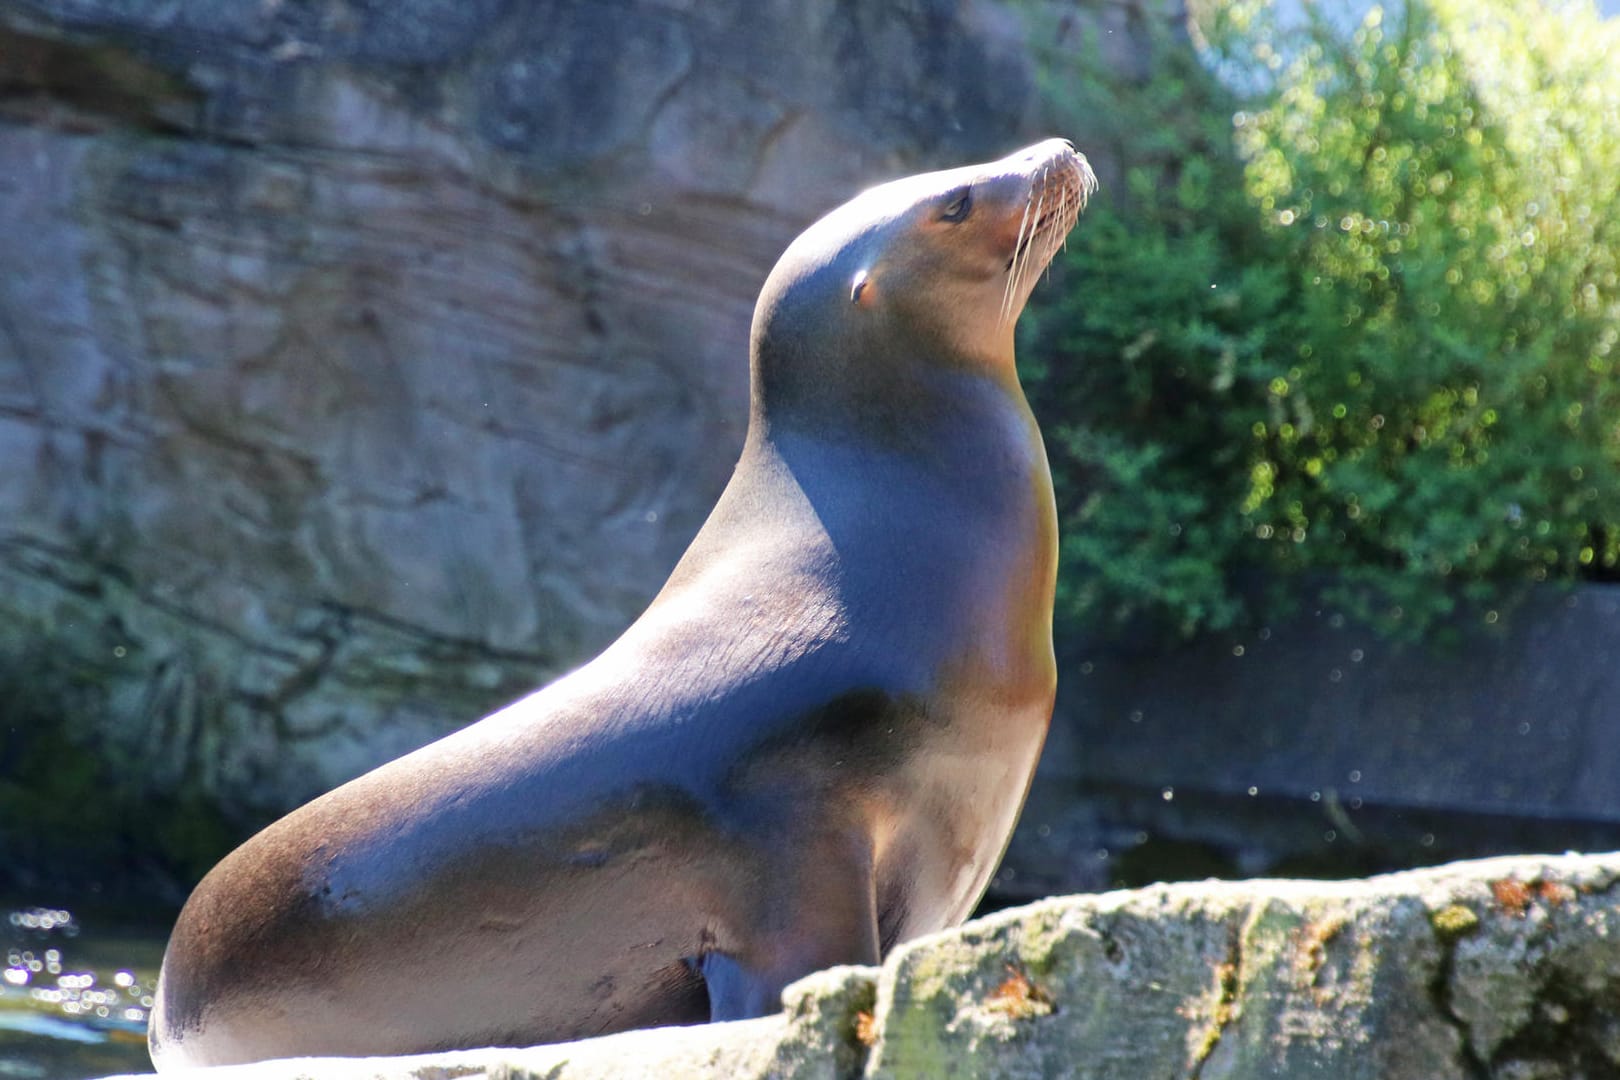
(1352, 319)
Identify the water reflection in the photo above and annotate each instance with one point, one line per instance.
(72, 1004)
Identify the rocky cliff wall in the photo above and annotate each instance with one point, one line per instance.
(364, 366)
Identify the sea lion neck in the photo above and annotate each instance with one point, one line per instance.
(890, 397)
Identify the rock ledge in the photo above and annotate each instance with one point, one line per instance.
(1504, 968)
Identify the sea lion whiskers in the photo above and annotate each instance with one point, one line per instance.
(1023, 255)
(1007, 292)
(1026, 237)
(1075, 185)
(1028, 250)
(1073, 201)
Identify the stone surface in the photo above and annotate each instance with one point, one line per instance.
(813, 1038)
(362, 367)
(1504, 969)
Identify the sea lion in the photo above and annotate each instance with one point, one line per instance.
(813, 745)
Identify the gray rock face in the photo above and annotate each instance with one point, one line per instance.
(1501, 969)
(364, 366)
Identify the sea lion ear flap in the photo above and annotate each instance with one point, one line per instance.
(861, 292)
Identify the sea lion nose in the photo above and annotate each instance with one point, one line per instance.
(1044, 150)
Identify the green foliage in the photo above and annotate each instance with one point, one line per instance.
(1357, 324)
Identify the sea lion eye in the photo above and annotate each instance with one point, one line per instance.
(957, 209)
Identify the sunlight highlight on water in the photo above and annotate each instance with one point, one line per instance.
(71, 1004)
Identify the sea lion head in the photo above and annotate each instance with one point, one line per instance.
(933, 268)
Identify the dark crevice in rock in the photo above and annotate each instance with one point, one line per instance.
(90, 86)
(855, 1036)
(72, 572)
(1565, 1036)
(1228, 986)
(440, 643)
(303, 679)
(1572, 1030)
(1440, 994)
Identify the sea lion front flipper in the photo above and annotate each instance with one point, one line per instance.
(737, 992)
(827, 918)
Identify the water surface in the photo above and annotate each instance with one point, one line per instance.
(74, 994)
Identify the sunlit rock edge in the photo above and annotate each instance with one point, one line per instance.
(1499, 967)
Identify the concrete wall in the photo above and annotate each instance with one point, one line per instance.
(1361, 754)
